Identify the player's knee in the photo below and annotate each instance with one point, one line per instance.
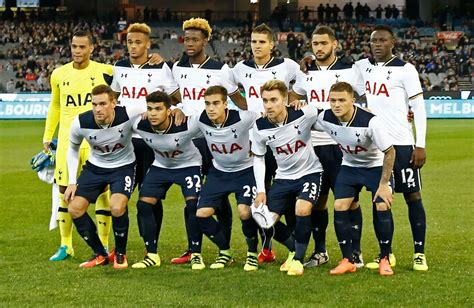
(150, 200)
(382, 206)
(117, 210)
(244, 212)
(204, 212)
(303, 208)
(412, 196)
(354, 205)
(75, 210)
(342, 204)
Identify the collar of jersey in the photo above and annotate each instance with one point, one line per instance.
(140, 66)
(385, 63)
(329, 66)
(202, 64)
(168, 129)
(352, 118)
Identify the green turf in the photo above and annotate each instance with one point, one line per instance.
(28, 278)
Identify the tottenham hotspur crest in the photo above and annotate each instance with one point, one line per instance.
(93, 81)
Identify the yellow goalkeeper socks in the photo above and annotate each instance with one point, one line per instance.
(103, 217)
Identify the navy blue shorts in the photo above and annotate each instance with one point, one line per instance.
(283, 193)
(93, 181)
(330, 157)
(351, 180)
(407, 178)
(220, 185)
(159, 180)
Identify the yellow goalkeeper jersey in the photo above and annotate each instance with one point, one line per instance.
(71, 95)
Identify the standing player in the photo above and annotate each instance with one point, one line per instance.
(194, 73)
(362, 138)
(392, 87)
(134, 78)
(287, 133)
(227, 135)
(252, 74)
(108, 130)
(71, 87)
(177, 161)
(314, 87)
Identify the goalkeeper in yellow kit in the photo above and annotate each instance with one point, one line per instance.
(71, 87)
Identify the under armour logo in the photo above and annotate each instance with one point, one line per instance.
(418, 243)
(234, 132)
(177, 141)
(102, 223)
(62, 220)
(149, 77)
(86, 238)
(123, 75)
(385, 242)
(121, 131)
(247, 75)
(411, 184)
(93, 81)
(333, 133)
(388, 76)
(358, 135)
(148, 140)
(297, 129)
(92, 137)
(271, 137)
(208, 77)
(274, 74)
(344, 242)
(194, 243)
(208, 133)
(368, 70)
(184, 76)
(119, 234)
(309, 78)
(65, 83)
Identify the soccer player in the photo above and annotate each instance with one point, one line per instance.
(194, 73)
(134, 78)
(322, 73)
(227, 136)
(362, 138)
(177, 161)
(392, 87)
(108, 130)
(71, 87)
(287, 132)
(252, 74)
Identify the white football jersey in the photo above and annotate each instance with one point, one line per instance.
(193, 82)
(290, 143)
(111, 147)
(362, 140)
(229, 143)
(253, 78)
(316, 85)
(388, 88)
(173, 148)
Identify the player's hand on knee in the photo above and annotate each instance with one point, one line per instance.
(385, 193)
(418, 157)
(155, 59)
(70, 193)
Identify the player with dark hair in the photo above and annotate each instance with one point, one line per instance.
(71, 86)
(287, 132)
(194, 73)
(252, 74)
(227, 136)
(323, 71)
(177, 161)
(108, 130)
(392, 88)
(368, 157)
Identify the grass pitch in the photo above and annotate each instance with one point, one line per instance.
(28, 278)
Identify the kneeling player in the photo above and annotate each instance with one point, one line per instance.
(227, 136)
(288, 134)
(177, 161)
(362, 139)
(108, 130)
